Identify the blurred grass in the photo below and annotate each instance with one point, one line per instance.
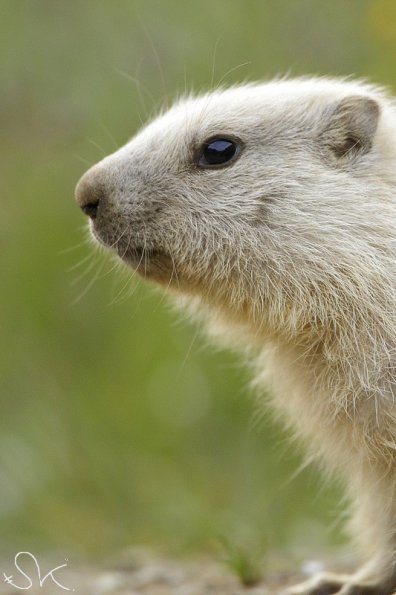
(118, 425)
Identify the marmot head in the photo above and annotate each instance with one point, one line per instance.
(259, 195)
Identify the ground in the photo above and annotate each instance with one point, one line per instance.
(141, 572)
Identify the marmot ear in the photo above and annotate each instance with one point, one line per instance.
(351, 126)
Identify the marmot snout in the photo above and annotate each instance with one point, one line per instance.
(270, 211)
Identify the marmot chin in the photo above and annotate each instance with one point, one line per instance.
(269, 211)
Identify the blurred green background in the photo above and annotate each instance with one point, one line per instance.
(119, 425)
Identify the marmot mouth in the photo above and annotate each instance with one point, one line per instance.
(154, 263)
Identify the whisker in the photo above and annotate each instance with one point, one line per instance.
(214, 61)
(121, 296)
(154, 51)
(81, 262)
(117, 262)
(110, 136)
(85, 161)
(187, 355)
(232, 70)
(84, 273)
(125, 292)
(76, 247)
(88, 287)
(95, 144)
(173, 273)
(140, 87)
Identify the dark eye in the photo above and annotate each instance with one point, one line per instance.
(218, 152)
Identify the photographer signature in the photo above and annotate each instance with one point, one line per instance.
(41, 579)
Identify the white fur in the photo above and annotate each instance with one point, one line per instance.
(291, 251)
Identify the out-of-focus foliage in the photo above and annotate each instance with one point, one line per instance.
(118, 424)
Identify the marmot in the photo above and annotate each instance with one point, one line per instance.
(269, 210)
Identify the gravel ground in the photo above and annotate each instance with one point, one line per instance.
(139, 572)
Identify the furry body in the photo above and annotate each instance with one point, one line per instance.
(291, 250)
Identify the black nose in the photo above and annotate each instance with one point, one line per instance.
(90, 193)
(91, 209)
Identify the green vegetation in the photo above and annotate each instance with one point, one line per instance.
(245, 563)
(118, 425)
